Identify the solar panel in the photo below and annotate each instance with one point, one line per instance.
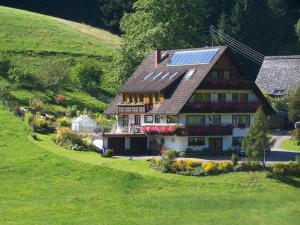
(172, 75)
(189, 74)
(148, 75)
(193, 57)
(165, 75)
(157, 75)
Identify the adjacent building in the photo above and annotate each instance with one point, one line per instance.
(279, 74)
(189, 99)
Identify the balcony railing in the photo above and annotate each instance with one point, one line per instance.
(223, 107)
(134, 108)
(182, 130)
(233, 83)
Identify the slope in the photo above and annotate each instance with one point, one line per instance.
(40, 187)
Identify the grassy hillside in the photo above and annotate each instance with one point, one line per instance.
(54, 187)
(28, 39)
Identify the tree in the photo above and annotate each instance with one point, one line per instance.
(298, 29)
(167, 24)
(257, 141)
(87, 73)
(55, 75)
(294, 105)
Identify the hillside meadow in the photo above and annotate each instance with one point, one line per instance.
(29, 39)
(42, 183)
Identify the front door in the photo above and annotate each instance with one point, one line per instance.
(215, 145)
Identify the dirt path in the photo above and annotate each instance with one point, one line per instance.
(279, 139)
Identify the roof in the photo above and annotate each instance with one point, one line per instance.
(153, 81)
(279, 74)
(80, 118)
(184, 88)
(143, 81)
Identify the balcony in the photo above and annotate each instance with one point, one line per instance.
(207, 130)
(222, 107)
(134, 108)
(181, 130)
(157, 129)
(235, 84)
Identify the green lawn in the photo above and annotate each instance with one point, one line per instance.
(290, 144)
(42, 183)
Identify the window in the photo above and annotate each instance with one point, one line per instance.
(214, 74)
(125, 120)
(135, 97)
(217, 119)
(244, 97)
(130, 98)
(137, 120)
(141, 98)
(237, 141)
(195, 120)
(156, 97)
(172, 119)
(157, 118)
(196, 141)
(150, 99)
(189, 74)
(148, 119)
(226, 74)
(235, 97)
(221, 97)
(124, 98)
(241, 121)
(201, 97)
(240, 97)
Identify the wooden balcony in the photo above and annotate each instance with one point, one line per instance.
(233, 84)
(207, 130)
(225, 107)
(134, 108)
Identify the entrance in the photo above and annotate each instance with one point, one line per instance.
(215, 145)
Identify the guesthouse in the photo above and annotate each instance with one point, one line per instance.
(199, 99)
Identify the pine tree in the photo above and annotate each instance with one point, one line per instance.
(294, 106)
(257, 140)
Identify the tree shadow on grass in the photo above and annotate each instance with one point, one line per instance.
(289, 180)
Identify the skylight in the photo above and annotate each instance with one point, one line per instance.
(148, 75)
(172, 75)
(165, 75)
(193, 57)
(157, 75)
(189, 74)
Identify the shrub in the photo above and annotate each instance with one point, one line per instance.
(60, 99)
(210, 167)
(108, 153)
(234, 159)
(87, 74)
(20, 76)
(63, 122)
(54, 75)
(37, 104)
(296, 135)
(224, 167)
(167, 159)
(39, 124)
(251, 166)
(71, 140)
(285, 169)
(28, 118)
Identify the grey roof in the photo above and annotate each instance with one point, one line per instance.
(279, 74)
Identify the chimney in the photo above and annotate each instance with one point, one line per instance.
(158, 56)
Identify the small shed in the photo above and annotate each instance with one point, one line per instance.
(84, 123)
